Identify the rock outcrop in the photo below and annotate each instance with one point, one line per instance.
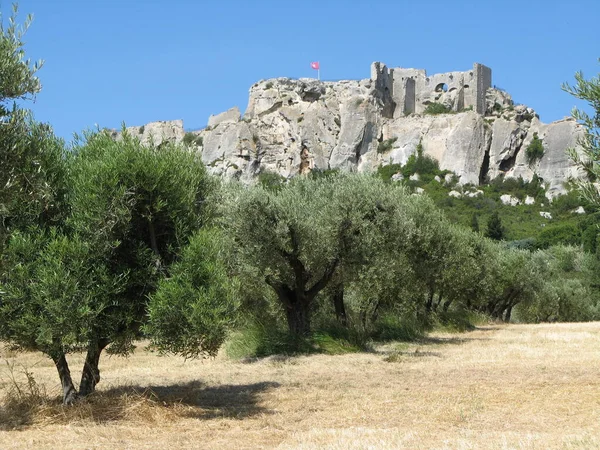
(295, 126)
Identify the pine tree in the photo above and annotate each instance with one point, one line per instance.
(475, 223)
(495, 230)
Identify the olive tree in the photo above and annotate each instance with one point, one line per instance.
(517, 277)
(568, 291)
(31, 158)
(132, 211)
(589, 91)
(298, 237)
(54, 294)
(192, 308)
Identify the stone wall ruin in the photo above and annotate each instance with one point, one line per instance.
(408, 91)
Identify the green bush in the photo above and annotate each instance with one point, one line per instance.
(424, 165)
(535, 150)
(256, 340)
(495, 230)
(565, 234)
(324, 173)
(564, 204)
(393, 327)
(271, 180)
(192, 139)
(436, 108)
(386, 146)
(387, 172)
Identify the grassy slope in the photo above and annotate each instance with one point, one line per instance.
(515, 386)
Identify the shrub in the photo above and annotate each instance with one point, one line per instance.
(192, 139)
(535, 150)
(565, 234)
(269, 85)
(426, 166)
(324, 173)
(386, 172)
(495, 230)
(141, 129)
(271, 180)
(386, 146)
(436, 108)
(528, 117)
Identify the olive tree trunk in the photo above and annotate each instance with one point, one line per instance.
(298, 317)
(90, 374)
(69, 391)
(340, 307)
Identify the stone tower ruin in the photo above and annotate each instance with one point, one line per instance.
(407, 91)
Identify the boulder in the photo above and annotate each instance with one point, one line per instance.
(509, 200)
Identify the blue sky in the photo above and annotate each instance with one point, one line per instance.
(137, 61)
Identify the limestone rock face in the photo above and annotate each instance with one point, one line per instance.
(231, 115)
(554, 167)
(297, 126)
(157, 132)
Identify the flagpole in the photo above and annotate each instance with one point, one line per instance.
(319, 73)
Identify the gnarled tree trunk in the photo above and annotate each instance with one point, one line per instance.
(69, 391)
(90, 374)
(340, 307)
(508, 314)
(298, 317)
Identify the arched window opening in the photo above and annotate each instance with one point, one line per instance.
(442, 87)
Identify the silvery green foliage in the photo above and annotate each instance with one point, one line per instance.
(54, 292)
(302, 235)
(137, 206)
(193, 308)
(589, 91)
(30, 156)
(17, 74)
(566, 293)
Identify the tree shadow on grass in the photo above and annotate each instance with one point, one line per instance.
(206, 402)
(155, 404)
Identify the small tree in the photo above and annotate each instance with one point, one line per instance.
(436, 108)
(495, 230)
(192, 310)
(475, 222)
(535, 150)
(132, 209)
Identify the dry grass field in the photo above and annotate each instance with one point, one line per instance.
(498, 387)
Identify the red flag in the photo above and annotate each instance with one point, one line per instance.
(315, 65)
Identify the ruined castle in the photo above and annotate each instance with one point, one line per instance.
(294, 126)
(407, 91)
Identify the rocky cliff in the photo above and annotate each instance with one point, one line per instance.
(295, 126)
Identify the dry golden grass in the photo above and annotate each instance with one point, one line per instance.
(516, 386)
